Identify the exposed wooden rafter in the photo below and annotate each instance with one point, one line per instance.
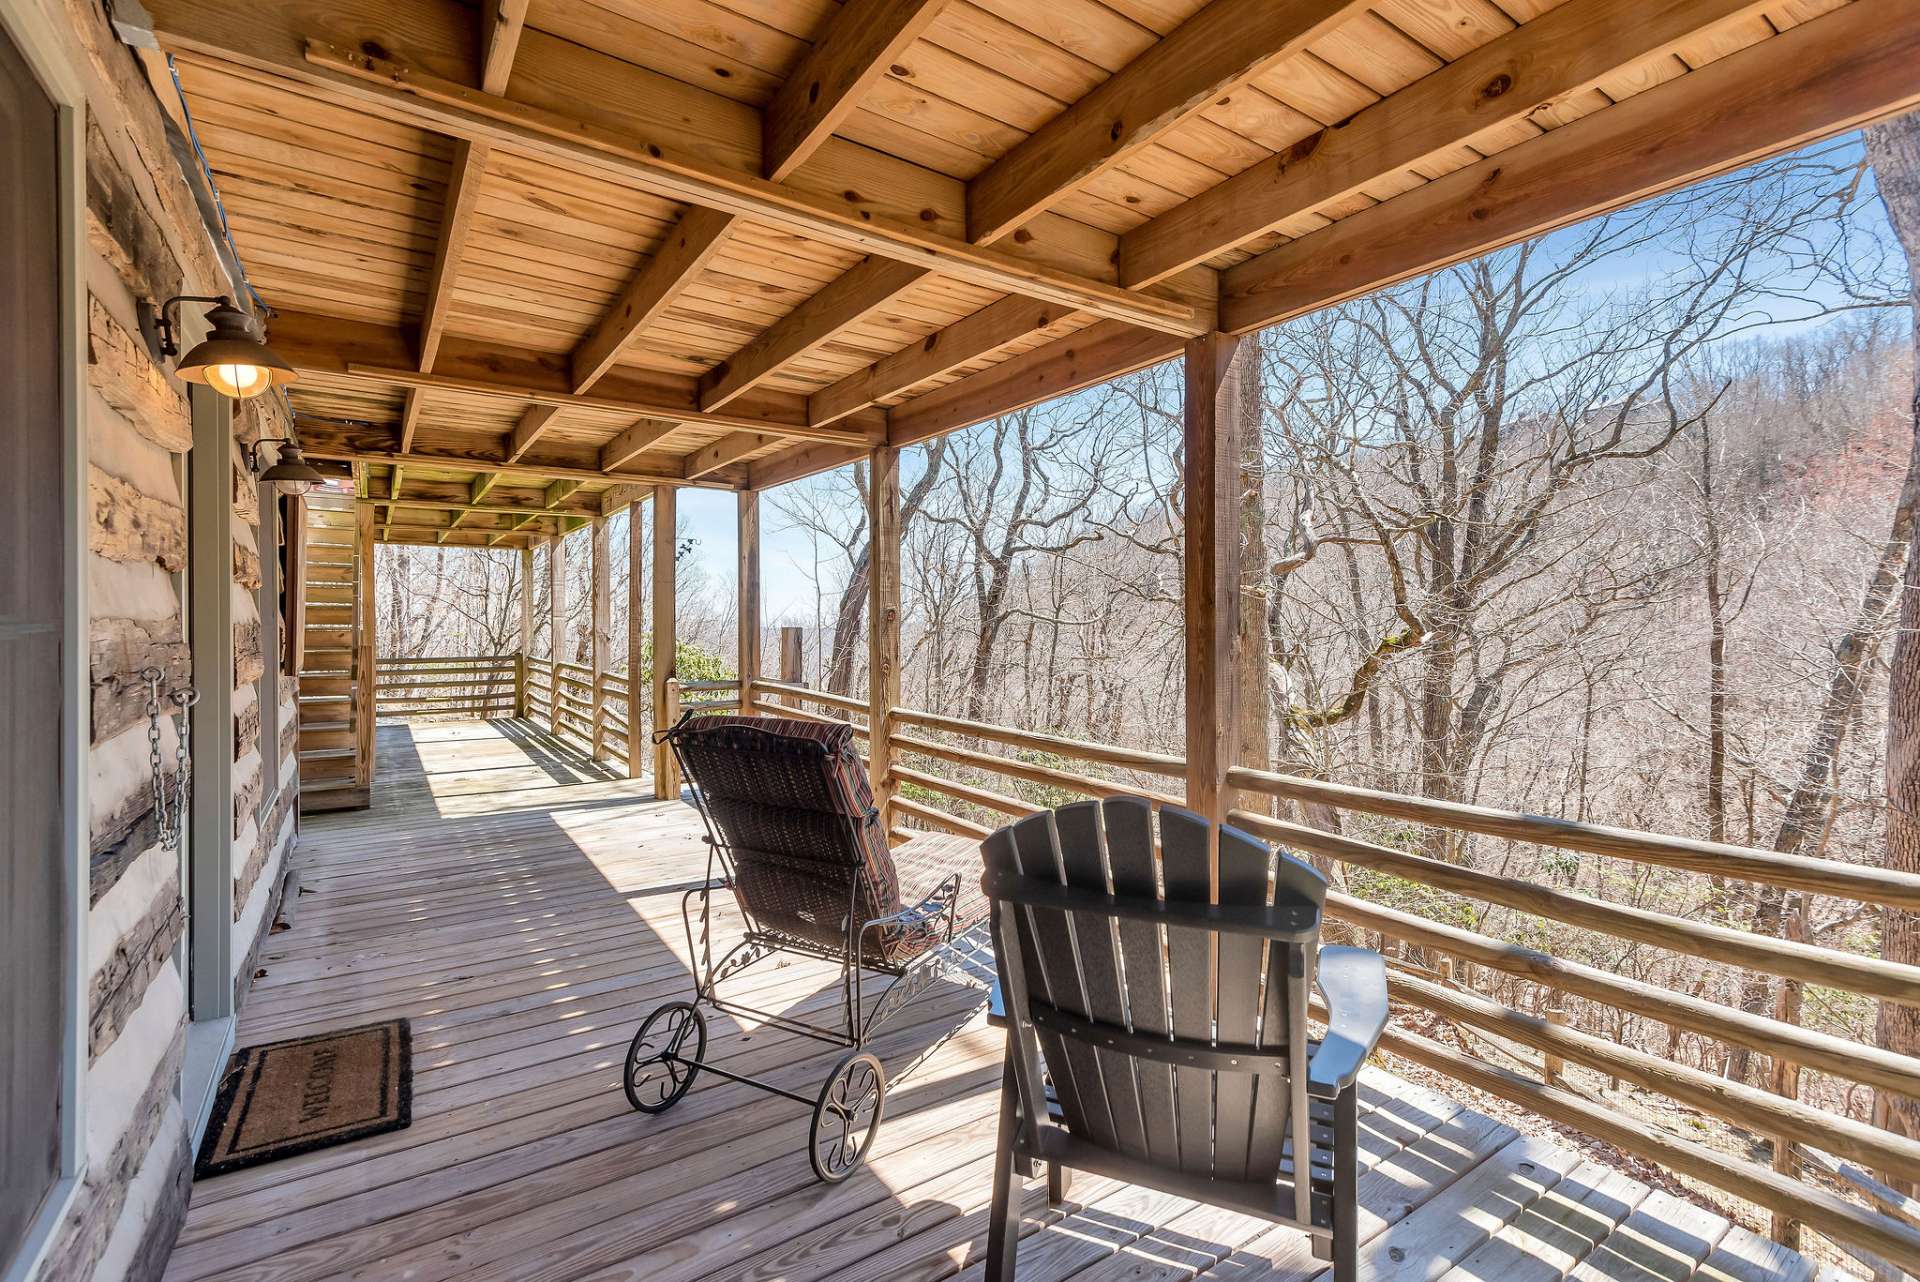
(856, 294)
(1524, 73)
(1225, 44)
(862, 40)
(324, 439)
(660, 280)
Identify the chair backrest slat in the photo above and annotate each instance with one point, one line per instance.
(1182, 979)
(1129, 827)
(1084, 859)
(1185, 861)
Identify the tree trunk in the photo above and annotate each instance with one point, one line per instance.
(1893, 149)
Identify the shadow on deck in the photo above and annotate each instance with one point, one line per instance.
(520, 903)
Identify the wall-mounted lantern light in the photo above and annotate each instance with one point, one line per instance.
(290, 471)
(233, 360)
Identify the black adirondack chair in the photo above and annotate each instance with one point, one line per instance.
(1161, 1038)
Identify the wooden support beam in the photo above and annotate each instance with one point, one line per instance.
(365, 621)
(663, 164)
(410, 416)
(560, 491)
(634, 442)
(778, 469)
(883, 624)
(481, 485)
(669, 270)
(556, 624)
(748, 580)
(502, 23)
(532, 426)
(456, 221)
(323, 440)
(862, 40)
(1834, 72)
(600, 591)
(666, 772)
(525, 653)
(1225, 44)
(863, 289)
(498, 506)
(1509, 79)
(637, 689)
(689, 415)
(724, 452)
(1210, 565)
(987, 330)
(619, 496)
(1093, 355)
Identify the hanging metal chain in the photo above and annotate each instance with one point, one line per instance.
(169, 812)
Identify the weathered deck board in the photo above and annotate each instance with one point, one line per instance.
(521, 906)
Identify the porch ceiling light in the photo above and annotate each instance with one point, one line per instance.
(291, 471)
(233, 360)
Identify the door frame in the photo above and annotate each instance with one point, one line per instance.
(38, 35)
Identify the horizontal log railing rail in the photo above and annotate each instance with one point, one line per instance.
(483, 685)
(954, 781)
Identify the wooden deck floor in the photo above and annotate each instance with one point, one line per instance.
(521, 905)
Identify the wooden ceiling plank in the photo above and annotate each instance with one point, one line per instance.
(660, 280)
(845, 302)
(635, 441)
(1557, 55)
(864, 38)
(1224, 45)
(664, 166)
(987, 330)
(532, 426)
(1838, 71)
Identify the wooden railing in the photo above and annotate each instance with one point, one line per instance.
(965, 777)
(486, 685)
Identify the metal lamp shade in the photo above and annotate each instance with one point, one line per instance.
(233, 360)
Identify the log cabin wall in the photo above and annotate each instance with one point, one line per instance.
(146, 240)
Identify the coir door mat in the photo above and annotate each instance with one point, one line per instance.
(307, 1093)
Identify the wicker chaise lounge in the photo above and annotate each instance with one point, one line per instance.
(793, 833)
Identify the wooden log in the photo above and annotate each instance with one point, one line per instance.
(636, 753)
(246, 730)
(120, 227)
(847, 703)
(600, 617)
(666, 673)
(120, 650)
(248, 662)
(967, 792)
(1827, 966)
(1033, 741)
(120, 983)
(132, 526)
(1210, 565)
(1819, 876)
(1820, 1208)
(127, 379)
(748, 579)
(246, 566)
(1845, 1059)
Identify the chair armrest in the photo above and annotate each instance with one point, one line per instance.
(1354, 983)
(935, 907)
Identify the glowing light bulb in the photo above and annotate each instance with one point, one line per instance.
(237, 380)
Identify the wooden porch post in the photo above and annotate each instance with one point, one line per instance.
(749, 580)
(636, 647)
(883, 623)
(793, 651)
(602, 641)
(1211, 564)
(526, 633)
(666, 771)
(365, 656)
(556, 622)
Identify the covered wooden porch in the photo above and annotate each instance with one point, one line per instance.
(519, 902)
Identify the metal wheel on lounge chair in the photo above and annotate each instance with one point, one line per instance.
(846, 1119)
(795, 839)
(659, 1070)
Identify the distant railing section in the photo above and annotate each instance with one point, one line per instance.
(965, 777)
(484, 685)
